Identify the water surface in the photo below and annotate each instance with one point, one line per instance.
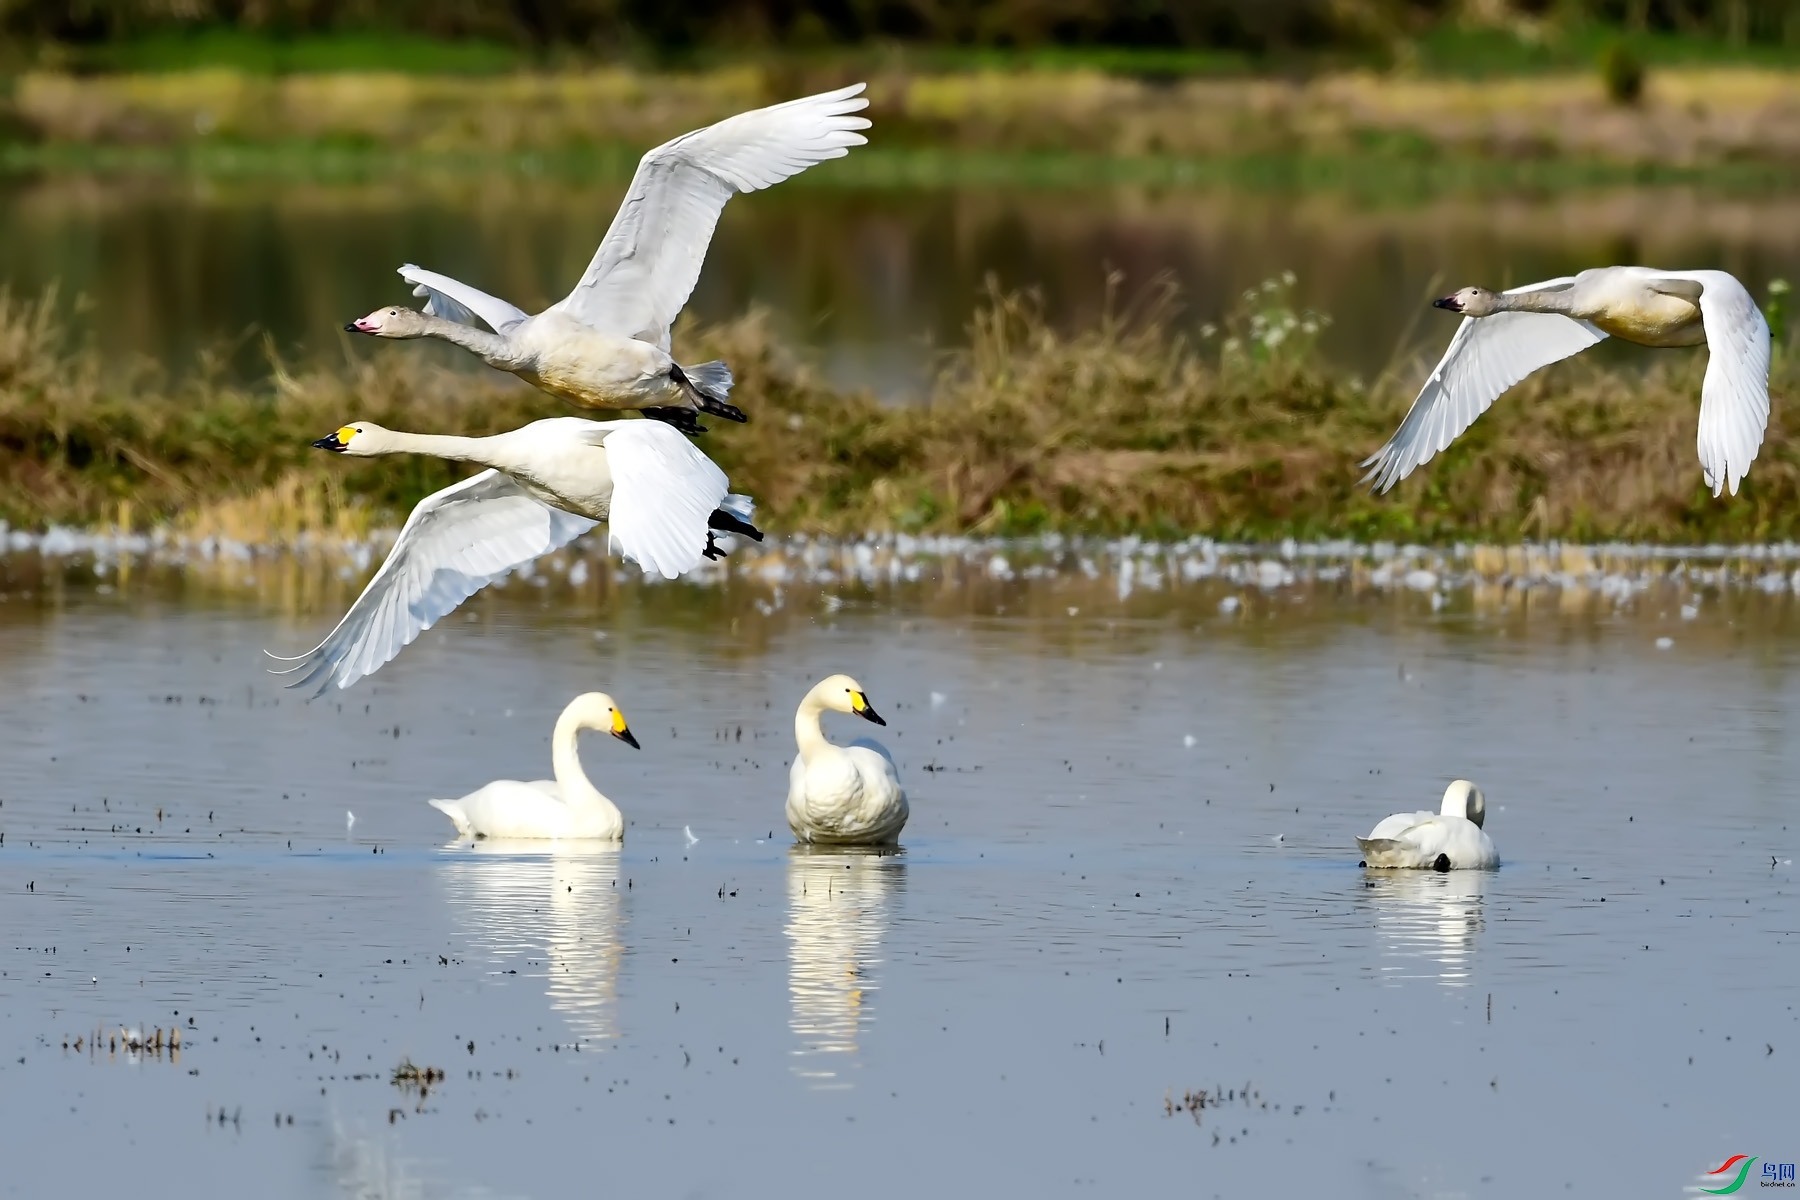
(1129, 879)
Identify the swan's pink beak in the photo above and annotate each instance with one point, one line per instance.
(1449, 302)
(362, 325)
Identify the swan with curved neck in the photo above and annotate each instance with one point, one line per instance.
(1505, 336)
(606, 344)
(842, 795)
(569, 806)
(1451, 839)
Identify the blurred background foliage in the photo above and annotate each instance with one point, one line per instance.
(1136, 36)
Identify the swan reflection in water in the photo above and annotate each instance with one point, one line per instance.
(1427, 922)
(838, 898)
(554, 905)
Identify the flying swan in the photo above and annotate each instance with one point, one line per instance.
(606, 344)
(842, 795)
(1450, 839)
(1505, 336)
(569, 806)
(547, 483)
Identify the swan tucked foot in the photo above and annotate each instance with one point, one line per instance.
(712, 550)
(684, 419)
(707, 385)
(728, 522)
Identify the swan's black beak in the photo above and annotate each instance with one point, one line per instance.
(1449, 302)
(629, 738)
(332, 443)
(859, 704)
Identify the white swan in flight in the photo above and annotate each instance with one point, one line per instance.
(1450, 839)
(842, 795)
(569, 807)
(547, 483)
(1505, 336)
(606, 344)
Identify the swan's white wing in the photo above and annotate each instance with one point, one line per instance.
(1734, 398)
(663, 492)
(455, 543)
(455, 300)
(650, 259)
(1487, 356)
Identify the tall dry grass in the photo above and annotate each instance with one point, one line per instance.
(1685, 116)
(1135, 424)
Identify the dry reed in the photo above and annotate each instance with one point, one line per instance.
(1131, 425)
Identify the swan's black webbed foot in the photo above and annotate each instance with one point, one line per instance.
(1363, 863)
(1441, 863)
(684, 419)
(718, 408)
(724, 522)
(712, 548)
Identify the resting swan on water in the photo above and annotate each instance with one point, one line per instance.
(547, 483)
(842, 795)
(1505, 336)
(606, 344)
(1450, 839)
(569, 807)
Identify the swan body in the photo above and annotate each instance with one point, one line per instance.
(1505, 336)
(547, 483)
(568, 806)
(842, 795)
(606, 344)
(1450, 839)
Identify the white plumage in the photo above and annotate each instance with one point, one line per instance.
(842, 795)
(606, 344)
(1451, 839)
(548, 483)
(567, 807)
(1505, 336)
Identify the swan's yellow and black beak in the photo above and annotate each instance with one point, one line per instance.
(859, 704)
(621, 732)
(338, 441)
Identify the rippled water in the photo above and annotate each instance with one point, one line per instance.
(870, 279)
(1128, 899)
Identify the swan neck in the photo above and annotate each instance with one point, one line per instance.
(490, 346)
(578, 792)
(1559, 301)
(440, 445)
(807, 731)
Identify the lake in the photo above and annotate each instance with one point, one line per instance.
(1124, 946)
(869, 281)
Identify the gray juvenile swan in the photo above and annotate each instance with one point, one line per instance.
(1505, 336)
(606, 344)
(547, 483)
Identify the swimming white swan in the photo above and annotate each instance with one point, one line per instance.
(842, 795)
(1450, 839)
(569, 807)
(548, 483)
(1505, 336)
(606, 344)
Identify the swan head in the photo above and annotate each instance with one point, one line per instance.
(597, 710)
(840, 693)
(1470, 302)
(1464, 799)
(390, 322)
(360, 438)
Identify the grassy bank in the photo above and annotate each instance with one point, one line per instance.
(1135, 425)
(1687, 116)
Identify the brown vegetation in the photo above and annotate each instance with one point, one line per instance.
(1684, 117)
(1128, 426)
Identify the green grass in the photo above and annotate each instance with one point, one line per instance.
(1470, 53)
(261, 53)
